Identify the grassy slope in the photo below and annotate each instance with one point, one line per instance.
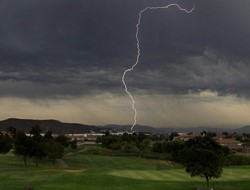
(116, 173)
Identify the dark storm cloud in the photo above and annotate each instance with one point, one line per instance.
(207, 50)
(68, 48)
(195, 74)
(71, 44)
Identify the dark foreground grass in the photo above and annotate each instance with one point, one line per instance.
(94, 172)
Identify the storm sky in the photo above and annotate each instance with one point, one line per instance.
(65, 59)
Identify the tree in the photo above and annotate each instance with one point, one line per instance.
(73, 144)
(22, 145)
(204, 157)
(37, 149)
(174, 148)
(173, 135)
(11, 131)
(225, 133)
(37, 144)
(48, 136)
(63, 140)
(157, 147)
(5, 143)
(36, 130)
(209, 134)
(108, 140)
(55, 150)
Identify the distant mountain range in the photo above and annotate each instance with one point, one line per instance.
(53, 125)
(196, 130)
(245, 129)
(68, 128)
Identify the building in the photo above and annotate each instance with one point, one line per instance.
(85, 137)
(231, 143)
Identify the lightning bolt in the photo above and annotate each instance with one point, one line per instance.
(139, 50)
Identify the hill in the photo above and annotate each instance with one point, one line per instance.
(245, 129)
(50, 124)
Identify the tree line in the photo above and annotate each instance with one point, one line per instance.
(34, 147)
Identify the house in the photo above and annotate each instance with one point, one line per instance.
(85, 137)
(186, 137)
(231, 143)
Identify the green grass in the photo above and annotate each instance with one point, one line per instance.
(94, 172)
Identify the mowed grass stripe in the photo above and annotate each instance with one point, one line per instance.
(134, 174)
(152, 175)
(178, 175)
(169, 176)
(235, 174)
(174, 175)
(231, 175)
(162, 175)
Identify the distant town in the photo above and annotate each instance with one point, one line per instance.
(237, 140)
